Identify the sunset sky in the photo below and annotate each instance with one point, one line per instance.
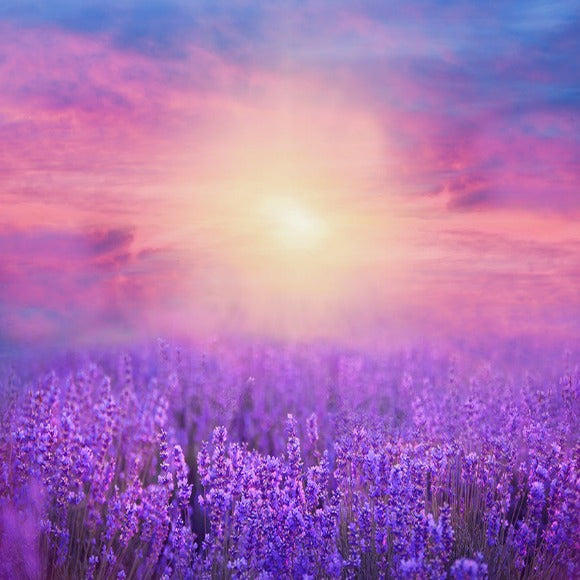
(294, 169)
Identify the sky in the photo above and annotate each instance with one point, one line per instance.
(349, 170)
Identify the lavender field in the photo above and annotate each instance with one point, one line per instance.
(279, 461)
(354, 224)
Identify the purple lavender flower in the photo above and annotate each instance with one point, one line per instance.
(466, 569)
(181, 476)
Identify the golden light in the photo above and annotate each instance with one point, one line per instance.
(288, 230)
(294, 225)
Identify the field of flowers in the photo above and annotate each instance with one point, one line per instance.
(278, 461)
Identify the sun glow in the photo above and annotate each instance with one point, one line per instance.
(283, 235)
(294, 225)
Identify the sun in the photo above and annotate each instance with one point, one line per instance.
(294, 225)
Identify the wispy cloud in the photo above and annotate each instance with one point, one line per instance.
(58, 282)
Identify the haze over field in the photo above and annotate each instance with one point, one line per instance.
(299, 169)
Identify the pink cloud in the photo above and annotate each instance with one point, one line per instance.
(85, 124)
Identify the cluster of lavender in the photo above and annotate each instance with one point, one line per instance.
(89, 486)
(276, 461)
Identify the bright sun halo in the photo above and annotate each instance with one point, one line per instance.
(295, 226)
